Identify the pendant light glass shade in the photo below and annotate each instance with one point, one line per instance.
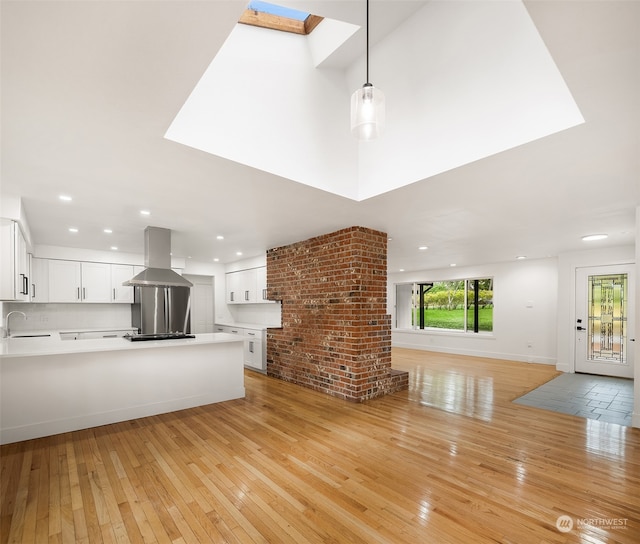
(367, 104)
(367, 112)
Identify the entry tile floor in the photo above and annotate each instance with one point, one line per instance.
(585, 395)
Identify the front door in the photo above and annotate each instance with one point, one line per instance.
(604, 320)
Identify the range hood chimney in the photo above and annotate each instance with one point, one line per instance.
(157, 260)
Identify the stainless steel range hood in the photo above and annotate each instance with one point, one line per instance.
(157, 260)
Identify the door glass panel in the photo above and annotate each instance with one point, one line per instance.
(607, 318)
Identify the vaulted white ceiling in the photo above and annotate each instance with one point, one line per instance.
(266, 101)
(89, 90)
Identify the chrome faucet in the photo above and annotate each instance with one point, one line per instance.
(6, 323)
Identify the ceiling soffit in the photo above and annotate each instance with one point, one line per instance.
(463, 81)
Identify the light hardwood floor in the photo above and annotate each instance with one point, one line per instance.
(452, 460)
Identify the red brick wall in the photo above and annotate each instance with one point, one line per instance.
(336, 334)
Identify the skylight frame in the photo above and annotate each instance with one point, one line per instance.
(274, 17)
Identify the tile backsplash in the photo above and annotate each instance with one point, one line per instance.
(58, 317)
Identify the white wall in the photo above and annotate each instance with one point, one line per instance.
(525, 309)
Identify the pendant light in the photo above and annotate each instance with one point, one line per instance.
(367, 105)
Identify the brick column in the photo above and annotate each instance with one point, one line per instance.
(336, 334)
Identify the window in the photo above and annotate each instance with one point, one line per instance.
(275, 17)
(455, 305)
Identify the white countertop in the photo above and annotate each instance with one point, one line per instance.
(247, 325)
(54, 345)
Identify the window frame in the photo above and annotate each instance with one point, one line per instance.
(417, 305)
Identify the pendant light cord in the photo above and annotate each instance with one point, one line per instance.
(367, 29)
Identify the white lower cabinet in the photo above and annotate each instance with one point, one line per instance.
(254, 349)
(255, 345)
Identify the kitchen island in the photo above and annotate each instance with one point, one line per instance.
(49, 385)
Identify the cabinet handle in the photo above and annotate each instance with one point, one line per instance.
(231, 297)
(264, 294)
(25, 285)
(246, 295)
(84, 293)
(250, 346)
(33, 290)
(78, 293)
(114, 293)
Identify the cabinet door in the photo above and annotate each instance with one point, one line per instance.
(22, 288)
(7, 260)
(14, 264)
(64, 281)
(253, 349)
(248, 285)
(233, 288)
(261, 284)
(96, 282)
(119, 274)
(39, 280)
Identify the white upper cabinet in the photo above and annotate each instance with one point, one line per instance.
(96, 282)
(73, 281)
(261, 284)
(39, 280)
(233, 288)
(14, 263)
(119, 274)
(247, 286)
(65, 281)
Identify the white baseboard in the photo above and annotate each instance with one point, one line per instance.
(477, 353)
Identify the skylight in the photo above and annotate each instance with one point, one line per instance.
(275, 17)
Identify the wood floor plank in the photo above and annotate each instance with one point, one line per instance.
(451, 460)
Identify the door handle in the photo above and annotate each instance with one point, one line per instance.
(579, 328)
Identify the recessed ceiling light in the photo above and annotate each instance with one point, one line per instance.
(145, 212)
(452, 265)
(115, 248)
(593, 237)
(422, 248)
(219, 237)
(238, 253)
(521, 257)
(66, 198)
(73, 229)
(107, 231)
(216, 260)
(402, 270)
